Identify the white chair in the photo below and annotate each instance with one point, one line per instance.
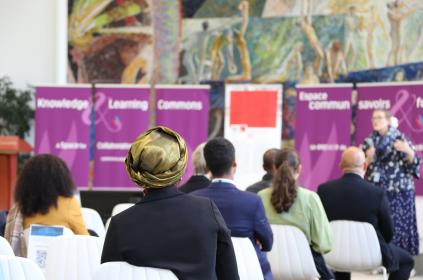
(123, 270)
(5, 249)
(246, 259)
(17, 268)
(355, 248)
(118, 208)
(291, 256)
(93, 221)
(73, 257)
(121, 207)
(108, 223)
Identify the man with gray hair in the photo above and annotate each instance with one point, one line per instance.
(200, 179)
(352, 198)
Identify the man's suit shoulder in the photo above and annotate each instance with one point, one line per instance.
(191, 197)
(356, 183)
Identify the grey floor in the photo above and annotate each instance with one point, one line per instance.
(360, 276)
(418, 272)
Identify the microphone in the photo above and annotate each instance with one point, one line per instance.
(369, 142)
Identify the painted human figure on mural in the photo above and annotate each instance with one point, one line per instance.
(306, 25)
(241, 43)
(335, 61)
(310, 77)
(222, 40)
(352, 37)
(306, 9)
(397, 12)
(203, 42)
(195, 55)
(373, 21)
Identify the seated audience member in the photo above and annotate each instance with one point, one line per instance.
(44, 194)
(268, 166)
(243, 211)
(353, 198)
(200, 180)
(167, 228)
(286, 203)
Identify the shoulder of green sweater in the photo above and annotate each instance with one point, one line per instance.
(307, 195)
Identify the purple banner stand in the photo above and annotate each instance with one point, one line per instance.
(323, 130)
(62, 126)
(184, 109)
(121, 114)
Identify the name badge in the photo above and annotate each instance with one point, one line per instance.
(376, 177)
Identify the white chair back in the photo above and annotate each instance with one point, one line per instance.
(123, 270)
(17, 268)
(121, 207)
(291, 256)
(246, 259)
(93, 221)
(5, 248)
(73, 257)
(355, 247)
(108, 223)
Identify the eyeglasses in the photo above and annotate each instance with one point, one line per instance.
(378, 118)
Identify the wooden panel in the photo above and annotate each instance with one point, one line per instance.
(4, 182)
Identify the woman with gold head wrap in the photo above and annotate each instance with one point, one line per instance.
(167, 228)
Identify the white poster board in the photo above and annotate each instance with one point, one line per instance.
(253, 123)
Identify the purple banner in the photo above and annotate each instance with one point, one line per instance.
(62, 126)
(184, 109)
(121, 115)
(404, 101)
(323, 131)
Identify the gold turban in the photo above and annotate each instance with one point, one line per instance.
(157, 158)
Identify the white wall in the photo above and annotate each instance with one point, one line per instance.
(33, 41)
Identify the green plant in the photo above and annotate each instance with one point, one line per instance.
(16, 113)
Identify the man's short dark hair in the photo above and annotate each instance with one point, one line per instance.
(219, 154)
(269, 158)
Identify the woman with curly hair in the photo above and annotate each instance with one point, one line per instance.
(286, 203)
(44, 194)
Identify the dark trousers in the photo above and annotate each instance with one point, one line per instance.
(406, 264)
(321, 267)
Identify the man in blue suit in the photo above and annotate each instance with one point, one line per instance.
(242, 211)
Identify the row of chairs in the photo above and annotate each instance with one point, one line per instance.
(93, 219)
(17, 268)
(356, 248)
(77, 257)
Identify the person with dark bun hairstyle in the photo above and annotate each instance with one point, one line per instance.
(44, 194)
(286, 203)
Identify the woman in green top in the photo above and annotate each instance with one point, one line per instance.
(286, 203)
